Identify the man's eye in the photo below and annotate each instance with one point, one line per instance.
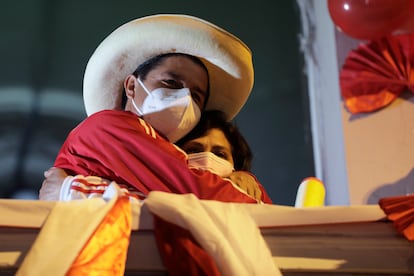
(197, 99)
(171, 83)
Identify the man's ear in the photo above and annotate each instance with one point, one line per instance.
(129, 86)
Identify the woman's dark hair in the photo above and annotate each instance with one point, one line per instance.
(147, 66)
(241, 152)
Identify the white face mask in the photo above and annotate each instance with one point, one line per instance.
(210, 162)
(172, 112)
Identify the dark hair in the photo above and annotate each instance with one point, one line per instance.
(241, 152)
(147, 66)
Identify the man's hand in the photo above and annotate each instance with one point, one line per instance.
(52, 184)
(247, 183)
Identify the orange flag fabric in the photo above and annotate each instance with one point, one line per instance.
(106, 251)
(82, 237)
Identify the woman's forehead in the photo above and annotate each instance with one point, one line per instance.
(214, 137)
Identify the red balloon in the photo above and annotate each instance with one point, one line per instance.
(369, 19)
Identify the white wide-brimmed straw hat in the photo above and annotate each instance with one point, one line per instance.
(227, 58)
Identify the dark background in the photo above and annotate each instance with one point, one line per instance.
(44, 48)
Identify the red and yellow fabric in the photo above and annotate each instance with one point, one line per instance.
(83, 237)
(119, 146)
(106, 250)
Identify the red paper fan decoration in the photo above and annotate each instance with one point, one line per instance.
(377, 72)
(400, 210)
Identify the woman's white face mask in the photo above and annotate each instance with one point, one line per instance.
(209, 161)
(172, 112)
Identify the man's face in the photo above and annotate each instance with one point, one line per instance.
(178, 72)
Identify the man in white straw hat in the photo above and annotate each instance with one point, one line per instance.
(170, 68)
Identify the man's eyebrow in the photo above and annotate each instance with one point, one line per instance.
(174, 75)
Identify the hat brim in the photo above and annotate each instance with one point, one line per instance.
(228, 60)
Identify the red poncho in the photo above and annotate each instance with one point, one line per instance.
(119, 146)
